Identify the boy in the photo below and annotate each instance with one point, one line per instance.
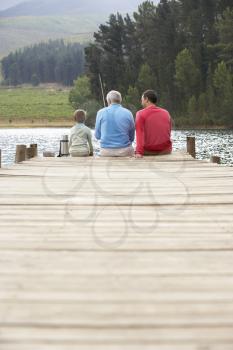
(80, 144)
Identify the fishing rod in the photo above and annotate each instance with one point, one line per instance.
(102, 89)
(64, 143)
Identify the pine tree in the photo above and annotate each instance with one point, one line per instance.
(187, 76)
(223, 84)
(132, 99)
(146, 79)
(225, 29)
(193, 110)
(35, 80)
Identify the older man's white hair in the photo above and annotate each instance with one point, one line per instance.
(114, 97)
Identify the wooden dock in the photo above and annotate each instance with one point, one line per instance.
(116, 254)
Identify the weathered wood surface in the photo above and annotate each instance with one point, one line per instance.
(116, 254)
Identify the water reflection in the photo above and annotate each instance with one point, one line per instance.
(209, 142)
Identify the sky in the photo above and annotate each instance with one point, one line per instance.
(4, 4)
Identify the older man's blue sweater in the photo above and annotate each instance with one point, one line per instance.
(115, 127)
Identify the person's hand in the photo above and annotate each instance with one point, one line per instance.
(138, 156)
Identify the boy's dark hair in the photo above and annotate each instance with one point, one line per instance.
(151, 95)
(80, 116)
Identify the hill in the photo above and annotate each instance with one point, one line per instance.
(5, 4)
(24, 31)
(34, 21)
(68, 7)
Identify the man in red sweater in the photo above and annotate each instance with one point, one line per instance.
(153, 127)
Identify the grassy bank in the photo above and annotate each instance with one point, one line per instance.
(28, 107)
(48, 106)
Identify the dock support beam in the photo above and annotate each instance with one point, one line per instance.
(24, 153)
(31, 151)
(34, 148)
(191, 146)
(20, 155)
(215, 159)
(49, 154)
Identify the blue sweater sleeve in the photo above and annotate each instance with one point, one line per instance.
(132, 129)
(98, 126)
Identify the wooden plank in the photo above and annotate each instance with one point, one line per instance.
(44, 286)
(131, 315)
(200, 336)
(115, 262)
(69, 346)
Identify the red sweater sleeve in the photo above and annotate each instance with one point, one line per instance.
(140, 133)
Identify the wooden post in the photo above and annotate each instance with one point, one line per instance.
(20, 155)
(34, 150)
(29, 152)
(215, 159)
(48, 154)
(0, 158)
(191, 146)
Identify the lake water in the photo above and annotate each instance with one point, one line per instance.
(209, 142)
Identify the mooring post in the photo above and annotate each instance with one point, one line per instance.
(29, 152)
(34, 148)
(48, 154)
(215, 159)
(191, 146)
(20, 155)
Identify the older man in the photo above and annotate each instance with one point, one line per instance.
(115, 128)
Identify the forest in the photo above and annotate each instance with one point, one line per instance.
(54, 61)
(181, 48)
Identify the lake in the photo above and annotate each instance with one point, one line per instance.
(209, 142)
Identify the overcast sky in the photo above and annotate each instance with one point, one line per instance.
(4, 4)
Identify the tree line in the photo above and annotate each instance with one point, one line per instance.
(54, 61)
(181, 48)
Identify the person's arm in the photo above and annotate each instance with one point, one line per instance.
(89, 139)
(70, 140)
(132, 129)
(171, 127)
(140, 135)
(98, 126)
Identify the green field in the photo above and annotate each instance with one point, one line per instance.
(28, 106)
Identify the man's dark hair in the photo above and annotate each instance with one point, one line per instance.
(151, 95)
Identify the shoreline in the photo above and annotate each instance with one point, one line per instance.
(69, 124)
(34, 125)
